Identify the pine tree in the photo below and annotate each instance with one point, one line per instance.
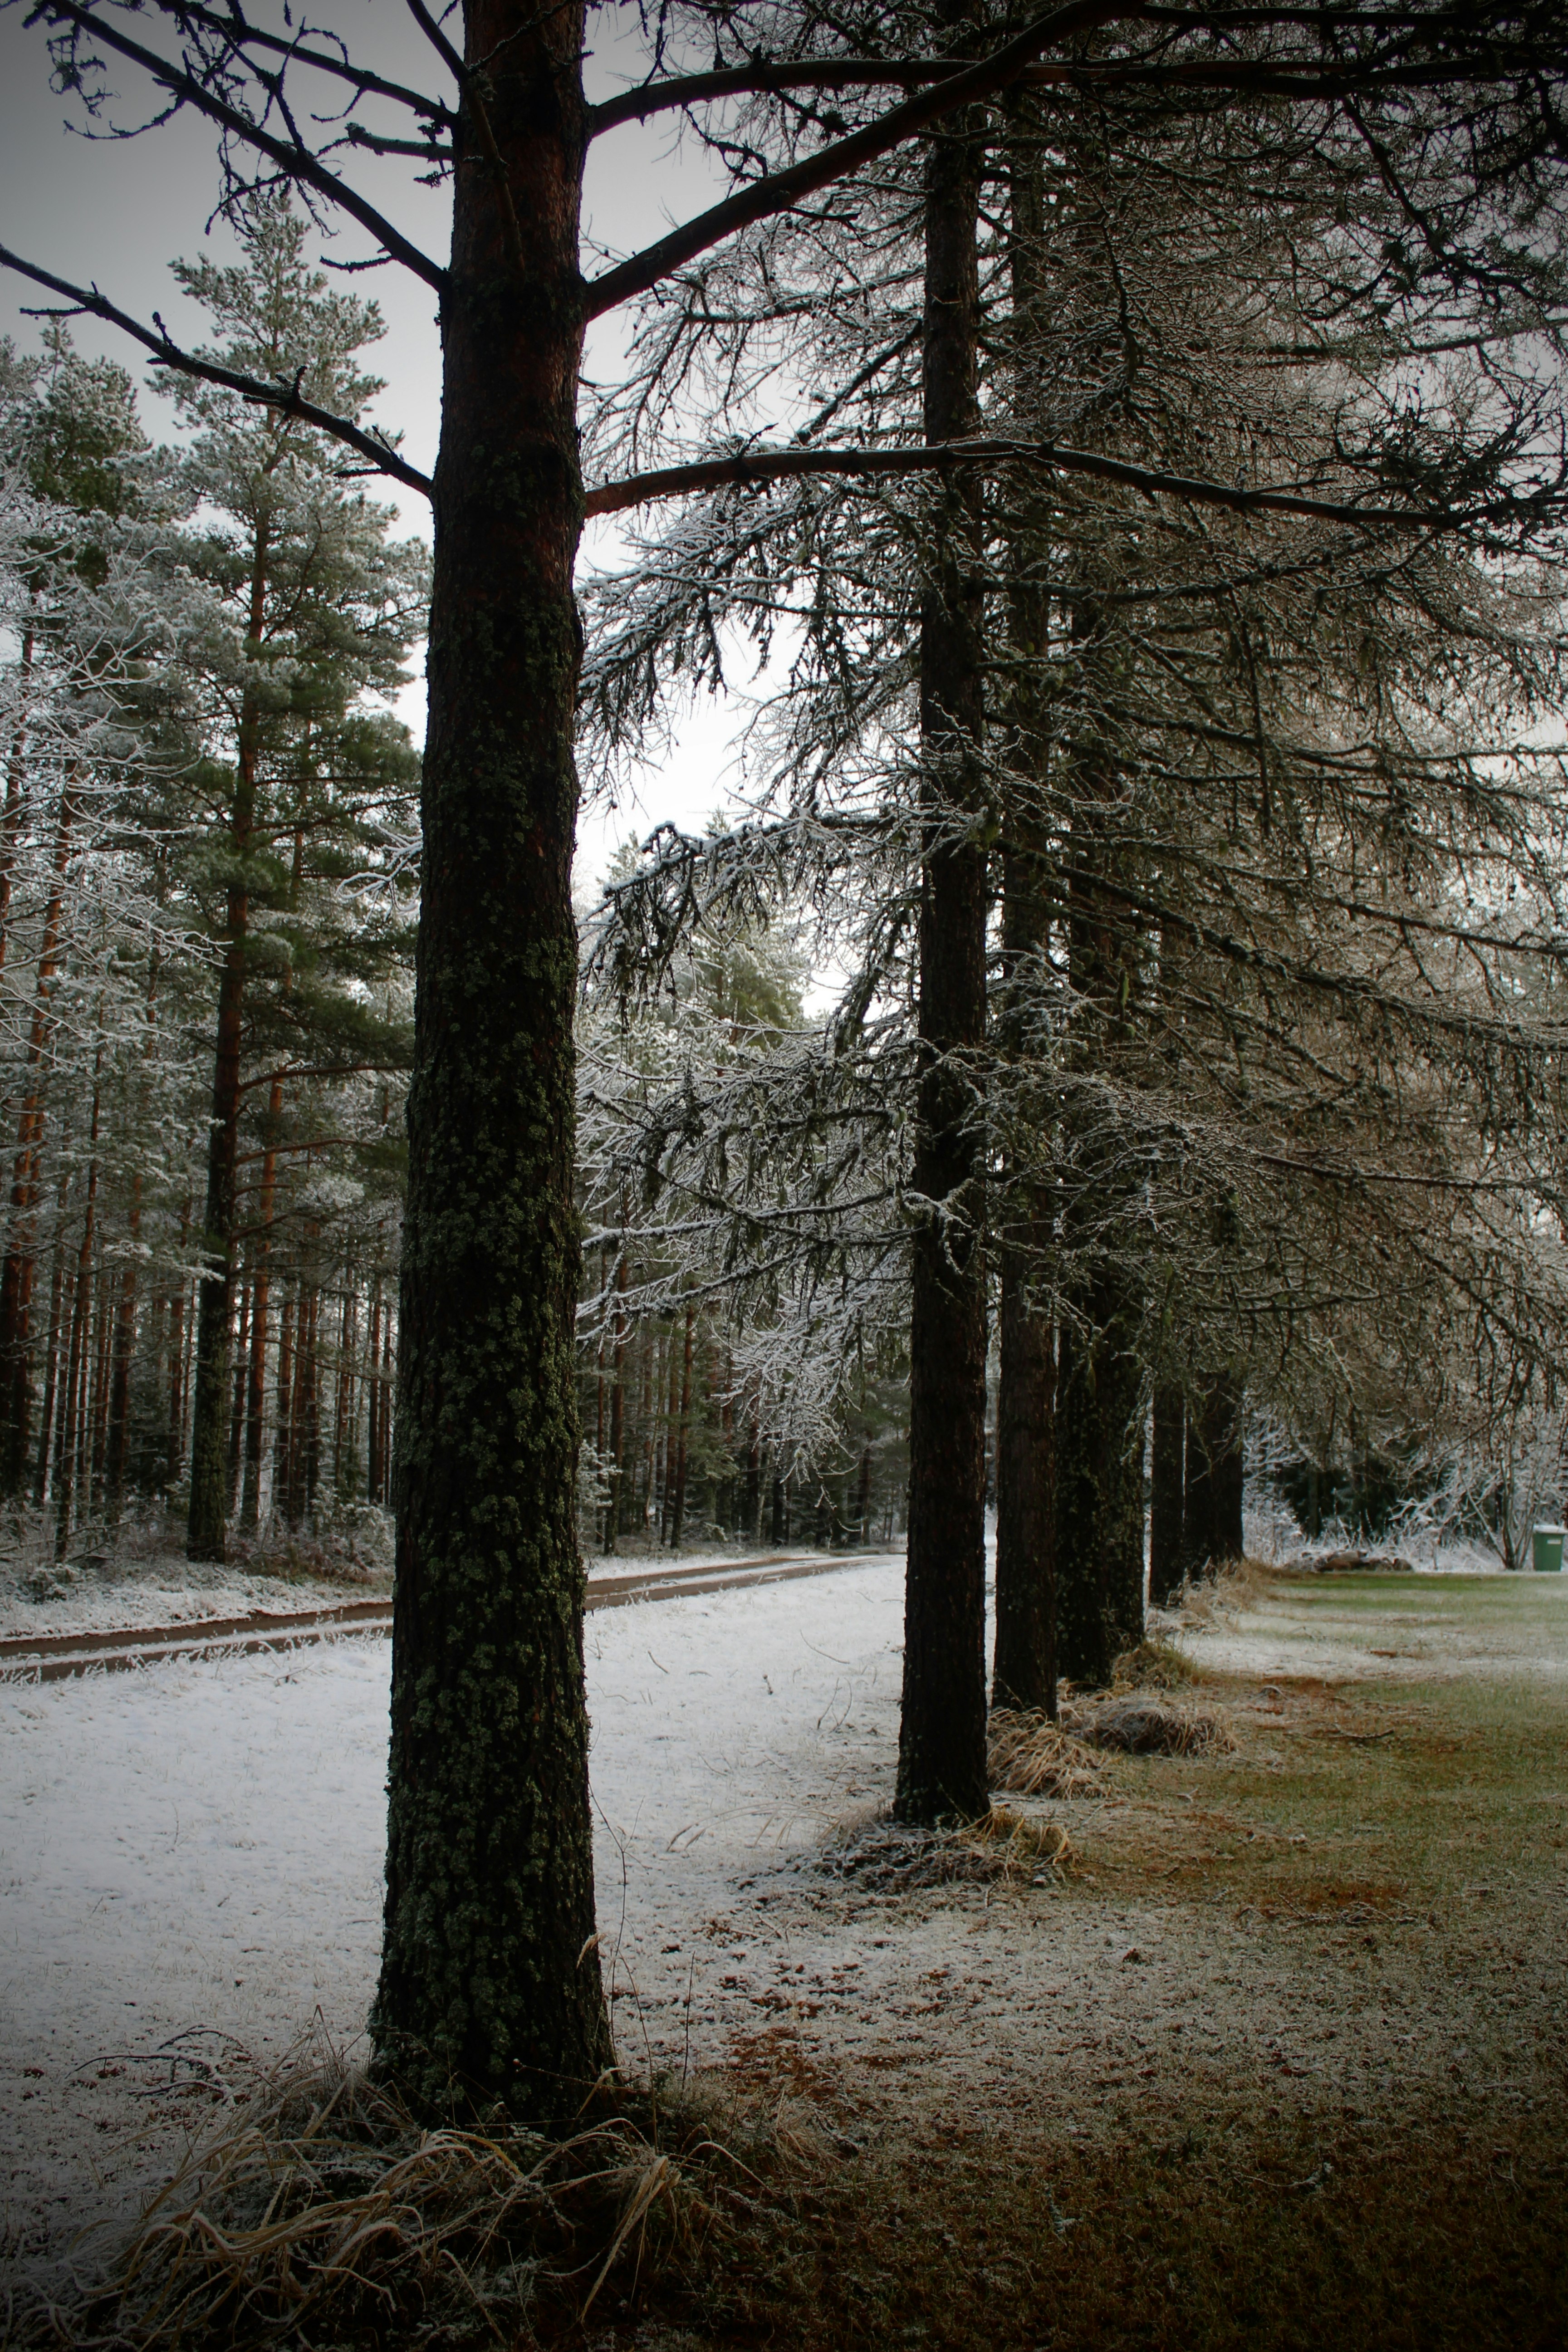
(313, 609)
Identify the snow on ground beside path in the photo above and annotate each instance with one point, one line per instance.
(108, 1594)
(166, 1590)
(200, 1843)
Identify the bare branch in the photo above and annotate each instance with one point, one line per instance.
(775, 192)
(290, 157)
(241, 36)
(284, 397)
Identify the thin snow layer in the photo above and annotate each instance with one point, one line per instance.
(199, 1843)
(162, 1589)
(195, 1849)
(108, 1594)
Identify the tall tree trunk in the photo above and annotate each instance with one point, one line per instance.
(282, 1441)
(124, 1350)
(1100, 1386)
(240, 1354)
(65, 1452)
(206, 1530)
(52, 1354)
(942, 1732)
(491, 1983)
(1099, 1490)
(125, 1311)
(310, 1419)
(103, 1361)
(76, 1371)
(344, 1414)
(1167, 1499)
(614, 1513)
(15, 795)
(678, 1514)
(1023, 1667)
(384, 1465)
(17, 1270)
(1024, 1664)
(1215, 1480)
(255, 1405)
(372, 1387)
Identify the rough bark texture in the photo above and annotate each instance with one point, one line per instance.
(942, 1739)
(1167, 1497)
(490, 1986)
(1229, 1479)
(1099, 1494)
(1215, 1481)
(1024, 1666)
(1024, 1671)
(1099, 1394)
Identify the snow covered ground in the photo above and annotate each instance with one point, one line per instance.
(198, 1845)
(158, 1586)
(190, 1864)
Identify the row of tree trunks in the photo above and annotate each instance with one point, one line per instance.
(19, 1265)
(89, 1448)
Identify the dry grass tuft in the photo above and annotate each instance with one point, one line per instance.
(1236, 1586)
(1016, 1846)
(1134, 1724)
(894, 1856)
(1154, 1666)
(1029, 1753)
(328, 2214)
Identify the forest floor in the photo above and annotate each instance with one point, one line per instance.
(1276, 2053)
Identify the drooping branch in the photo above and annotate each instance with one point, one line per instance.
(287, 398)
(776, 192)
(289, 155)
(790, 464)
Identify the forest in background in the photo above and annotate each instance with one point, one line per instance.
(1254, 1105)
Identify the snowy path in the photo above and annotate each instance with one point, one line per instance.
(199, 1845)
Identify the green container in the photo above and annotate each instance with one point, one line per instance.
(1548, 1547)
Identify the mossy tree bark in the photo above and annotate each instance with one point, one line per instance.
(942, 1738)
(490, 1987)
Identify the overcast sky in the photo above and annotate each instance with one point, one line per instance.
(117, 212)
